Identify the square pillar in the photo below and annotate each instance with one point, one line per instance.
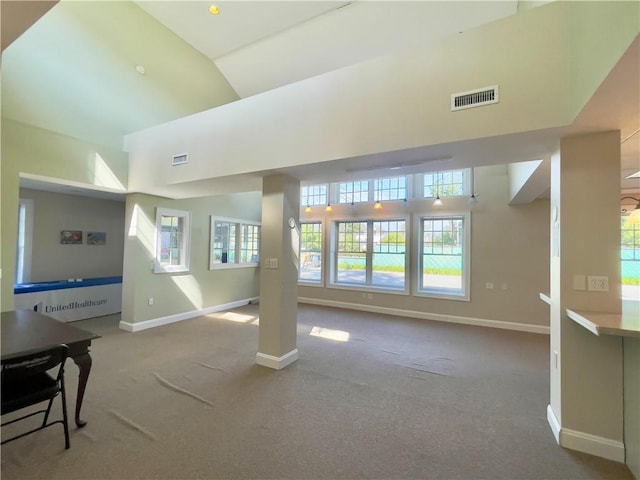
(279, 272)
(586, 377)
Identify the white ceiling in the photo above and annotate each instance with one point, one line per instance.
(261, 45)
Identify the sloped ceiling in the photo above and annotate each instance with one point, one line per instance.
(74, 71)
(259, 46)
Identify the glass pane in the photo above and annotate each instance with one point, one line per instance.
(250, 244)
(310, 252)
(393, 188)
(224, 242)
(351, 253)
(388, 262)
(630, 258)
(442, 254)
(313, 195)
(446, 184)
(171, 240)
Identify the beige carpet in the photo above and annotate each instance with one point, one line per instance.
(400, 399)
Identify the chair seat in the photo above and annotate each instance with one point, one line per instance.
(19, 393)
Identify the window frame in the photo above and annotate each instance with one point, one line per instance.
(368, 286)
(238, 242)
(185, 244)
(419, 290)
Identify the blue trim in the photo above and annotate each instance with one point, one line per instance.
(62, 284)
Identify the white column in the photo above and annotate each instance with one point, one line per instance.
(586, 384)
(279, 272)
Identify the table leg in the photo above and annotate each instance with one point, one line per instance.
(83, 361)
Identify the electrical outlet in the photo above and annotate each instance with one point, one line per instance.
(488, 286)
(597, 283)
(150, 300)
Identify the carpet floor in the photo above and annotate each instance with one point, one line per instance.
(370, 397)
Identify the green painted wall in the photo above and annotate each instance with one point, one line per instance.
(177, 293)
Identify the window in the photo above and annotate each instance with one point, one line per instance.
(444, 256)
(310, 253)
(630, 257)
(353, 192)
(234, 243)
(172, 243)
(392, 188)
(314, 195)
(370, 253)
(445, 184)
(25, 238)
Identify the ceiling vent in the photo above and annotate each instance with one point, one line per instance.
(474, 98)
(179, 159)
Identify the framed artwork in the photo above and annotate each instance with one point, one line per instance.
(96, 238)
(71, 237)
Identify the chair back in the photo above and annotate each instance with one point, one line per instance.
(24, 365)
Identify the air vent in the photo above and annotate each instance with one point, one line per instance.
(474, 98)
(179, 159)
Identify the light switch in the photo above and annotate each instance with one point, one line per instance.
(273, 263)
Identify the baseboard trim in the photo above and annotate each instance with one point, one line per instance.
(157, 322)
(585, 442)
(438, 317)
(277, 363)
(592, 444)
(553, 423)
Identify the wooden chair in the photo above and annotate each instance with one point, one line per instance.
(26, 382)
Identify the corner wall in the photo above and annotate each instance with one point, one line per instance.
(181, 295)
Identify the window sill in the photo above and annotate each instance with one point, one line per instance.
(368, 288)
(231, 266)
(442, 295)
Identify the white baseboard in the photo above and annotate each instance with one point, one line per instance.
(553, 423)
(438, 317)
(277, 363)
(592, 444)
(585, 442)
(157, 322)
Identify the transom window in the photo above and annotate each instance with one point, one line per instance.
(172, 243)
(449, 183)
(353, 192)
(310, 253)
(314, 195)
(234, 243)
(391, 188)
(444, 256)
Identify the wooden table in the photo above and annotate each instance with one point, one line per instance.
(24, 330)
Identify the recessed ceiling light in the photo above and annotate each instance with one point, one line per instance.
(214, 10)
(140, 69)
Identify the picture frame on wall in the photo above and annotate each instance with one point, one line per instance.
(96, 238)
(71, 237)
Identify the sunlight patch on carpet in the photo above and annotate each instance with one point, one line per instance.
(328, 334)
